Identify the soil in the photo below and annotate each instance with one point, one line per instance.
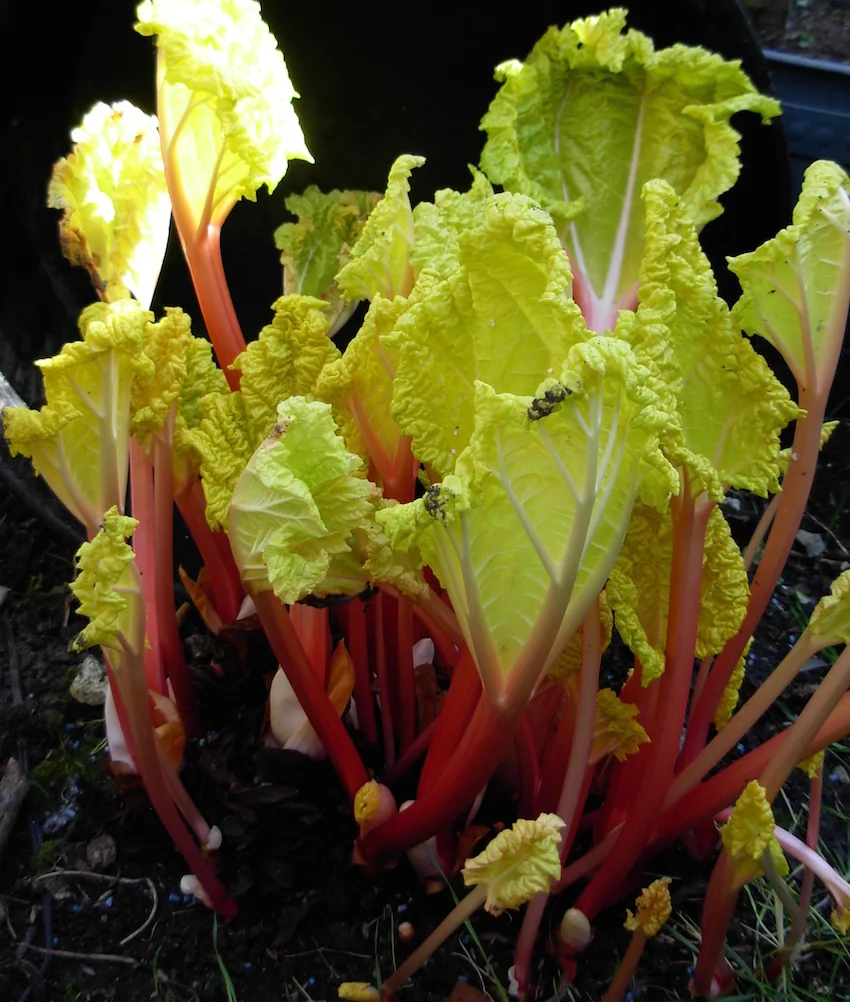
(816, 29)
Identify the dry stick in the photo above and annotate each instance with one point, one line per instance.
(103, 958)
(13, 792)
(459, 914)
(109, 878)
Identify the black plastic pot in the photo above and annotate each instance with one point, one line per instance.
(815, 98)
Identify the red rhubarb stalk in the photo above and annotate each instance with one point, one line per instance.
(310, 693)
(145, 548)
(166, 613)
(690, 517)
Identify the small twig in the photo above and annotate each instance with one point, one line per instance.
(126, 881)
(104, 958)
(151, 914)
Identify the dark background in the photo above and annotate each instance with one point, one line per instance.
(378, 79)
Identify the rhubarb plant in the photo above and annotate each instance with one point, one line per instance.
(523, 447)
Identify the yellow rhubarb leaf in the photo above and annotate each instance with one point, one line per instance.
(520, 862)
(830, 620)
(107, 587)
(749, 832)
(116, 206)
(652, 908)
(615, 730)
(729, 700)
(224, 101)
(639, 588)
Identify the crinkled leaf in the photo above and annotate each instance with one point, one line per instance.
(524, 535)
(797, 286)
(167, 344)
(749, 832)
(285, 360)
(79, 441)
(224, 101)
(223, 443)
(380, 260)
(830, 619)
(731, 408)
(519, 863)
(728, 702)
(639, 588)
(616, 730)
(107, 587)
(319, 244)
(111, 188)
(440, 223)
(359, 385)
(589, 117)
(203, 377)
(297, 502)
(504, 318)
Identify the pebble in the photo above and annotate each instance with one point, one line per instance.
(90, 684)
(101, 852)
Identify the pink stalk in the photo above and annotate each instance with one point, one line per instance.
(477, 755)
(556, 758)
(812, 718)
(203, 255)
(310, 693)
(224, 580)
(723, 789)
(690, 516)
(590, 861)
(199, 229)
(171, 646)
(311, 625)
(721, 897)
(529, 768)
(439, 620)
(129, 685)
(354, 618)
(575, 784)
(376, 609)
(404, 669)
(453, 720)
(623, 975)
(792, 503)
(411, 755)
(746, 717)
(145, 549)
(764, 523)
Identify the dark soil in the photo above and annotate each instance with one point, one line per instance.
(816, 29)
